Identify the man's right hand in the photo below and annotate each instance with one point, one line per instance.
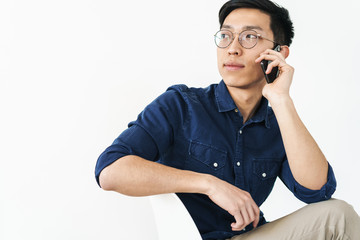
(135, 176)
(237, 202)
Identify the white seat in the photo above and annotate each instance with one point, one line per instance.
(173, 221)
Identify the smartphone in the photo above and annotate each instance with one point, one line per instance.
(274, 72)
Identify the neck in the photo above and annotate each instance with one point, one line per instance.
(246, 100)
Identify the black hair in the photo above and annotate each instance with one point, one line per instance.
(280, 22)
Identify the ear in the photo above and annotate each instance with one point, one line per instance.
(285, 51)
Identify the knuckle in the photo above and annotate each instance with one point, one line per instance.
(234, 210)
(244, 202)
(247, 194)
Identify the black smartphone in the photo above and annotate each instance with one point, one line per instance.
(274, 72)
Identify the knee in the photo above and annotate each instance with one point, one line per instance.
(340, 209)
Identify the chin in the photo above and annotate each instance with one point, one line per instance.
(236, 82)
(244, 83)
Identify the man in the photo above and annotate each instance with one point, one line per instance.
(222, 147)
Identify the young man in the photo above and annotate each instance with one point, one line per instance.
(222, 147)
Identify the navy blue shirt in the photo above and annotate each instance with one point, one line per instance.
(201, 129)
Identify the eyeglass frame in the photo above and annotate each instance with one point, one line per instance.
(233, 33)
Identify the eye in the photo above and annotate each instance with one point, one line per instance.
(223, 38)
(224, 35)
(250, 36)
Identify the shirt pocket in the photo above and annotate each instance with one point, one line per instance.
(266, 168)
(265, 171)
(204, 158)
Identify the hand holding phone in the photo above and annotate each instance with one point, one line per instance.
(274, 72)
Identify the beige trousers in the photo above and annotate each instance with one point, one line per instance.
(327, 220)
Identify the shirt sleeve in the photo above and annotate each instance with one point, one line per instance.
(150, 135)
(304, 194)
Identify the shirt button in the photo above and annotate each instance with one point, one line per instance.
(264, 174)
(236, 110)
(240, 131)
(238, 164)
(215, 164)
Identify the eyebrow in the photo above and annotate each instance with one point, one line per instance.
(244, 28)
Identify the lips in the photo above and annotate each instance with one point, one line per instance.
(232, 66)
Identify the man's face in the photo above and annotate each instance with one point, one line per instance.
(237, 64)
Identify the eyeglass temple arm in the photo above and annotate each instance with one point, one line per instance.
(268, 40)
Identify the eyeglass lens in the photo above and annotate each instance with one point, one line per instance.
(247, 38)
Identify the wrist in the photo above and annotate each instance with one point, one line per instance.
(207, 184)
(280, 100)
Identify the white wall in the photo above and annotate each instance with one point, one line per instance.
(73, 73)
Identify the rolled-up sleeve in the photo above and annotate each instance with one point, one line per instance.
(133, 141)
(149, 136)
(304, 194)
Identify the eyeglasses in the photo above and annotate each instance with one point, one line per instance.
(247, 39)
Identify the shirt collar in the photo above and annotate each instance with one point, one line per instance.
(262, 113)
(225, 103)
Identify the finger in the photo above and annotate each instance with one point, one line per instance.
(256, 221)
(254, 214)
(257, 215)
(245, 215)
(246, 220)
(238, 225)
(251, 213)
(266, 57)
(269, 55)
(283, 66)
(273, 64)
(273, 52)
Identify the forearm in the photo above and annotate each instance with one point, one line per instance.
(135, 176)
(307, 163)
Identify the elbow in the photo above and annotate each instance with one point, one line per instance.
(106, 180)
(113, 178)
(118, 177)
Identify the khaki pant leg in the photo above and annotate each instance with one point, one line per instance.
(332, 219)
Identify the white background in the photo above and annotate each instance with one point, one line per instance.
(74, 72)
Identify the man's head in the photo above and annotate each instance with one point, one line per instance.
(280, 22)
(267, 24)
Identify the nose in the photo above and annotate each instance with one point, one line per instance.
(235, 48)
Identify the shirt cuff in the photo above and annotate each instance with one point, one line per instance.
(311, 196)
